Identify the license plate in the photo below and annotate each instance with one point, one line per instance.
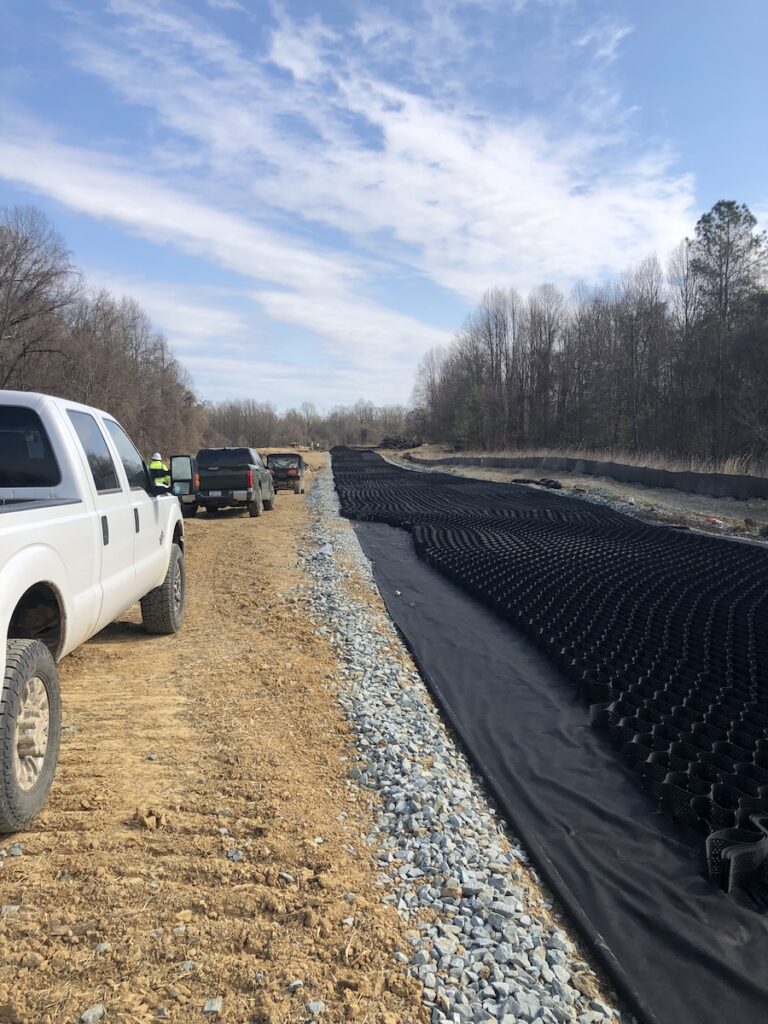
(214, 494)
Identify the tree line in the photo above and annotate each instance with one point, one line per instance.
(671, 359)
(61, 337)
(258, 424)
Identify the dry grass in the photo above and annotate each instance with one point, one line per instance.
(734, 464)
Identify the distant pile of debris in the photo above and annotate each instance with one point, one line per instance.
(553, 485)
(399, 442)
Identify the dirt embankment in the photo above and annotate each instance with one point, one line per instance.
(202, 841)
(736, 518)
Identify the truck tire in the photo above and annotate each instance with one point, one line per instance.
(189, 511)
(30, 732)
(162, 609)
(297, 487)
(269, 503)
(255, 507)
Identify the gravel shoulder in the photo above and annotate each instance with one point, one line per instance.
(653, 503)
(203, 841)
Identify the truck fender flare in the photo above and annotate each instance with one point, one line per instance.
(35, 564)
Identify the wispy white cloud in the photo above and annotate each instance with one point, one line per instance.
(604, 38)
(302, 49)
(466, 196)
(193, 318)
(106, 189)
(225, 5)
(315, 290)
(224, 347)
(383, 139)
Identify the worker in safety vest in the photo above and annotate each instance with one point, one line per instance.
(157, 463)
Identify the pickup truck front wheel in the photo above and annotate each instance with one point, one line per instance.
(30, 732)
(162, 609)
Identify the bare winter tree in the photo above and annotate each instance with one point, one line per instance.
(57, 337)
(37, 285)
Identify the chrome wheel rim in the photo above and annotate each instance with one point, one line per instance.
(32, 726)
(177, 592)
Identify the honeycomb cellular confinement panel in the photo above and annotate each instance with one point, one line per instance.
(663, 632)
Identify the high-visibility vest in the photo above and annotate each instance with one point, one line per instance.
(156, 464)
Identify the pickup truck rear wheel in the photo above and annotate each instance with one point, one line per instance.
(162, 609)
(297, 487)
(189, 511)
(30, 732)
(255, 507)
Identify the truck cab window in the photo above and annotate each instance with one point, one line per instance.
(100, 461)
(129, 456)
(26, 456)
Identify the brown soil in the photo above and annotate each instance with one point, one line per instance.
(180, 750)
(735, 518)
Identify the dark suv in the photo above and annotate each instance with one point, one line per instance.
(232, 478)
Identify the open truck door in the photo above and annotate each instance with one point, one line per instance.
(185, 483)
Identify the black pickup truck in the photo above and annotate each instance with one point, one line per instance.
(234, 477)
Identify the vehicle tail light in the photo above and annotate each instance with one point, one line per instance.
(293, 472)
(249, 478)
(197, 481)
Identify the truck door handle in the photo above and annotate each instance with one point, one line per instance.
(105, 530)
(136, 519)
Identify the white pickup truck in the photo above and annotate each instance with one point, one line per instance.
(85, 532)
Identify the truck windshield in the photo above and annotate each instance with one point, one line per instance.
(283, 461)
(26, 456)
(224, 457)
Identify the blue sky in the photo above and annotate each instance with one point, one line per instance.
(307, 197)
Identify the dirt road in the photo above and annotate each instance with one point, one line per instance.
(202, 841)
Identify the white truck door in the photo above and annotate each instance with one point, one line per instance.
(150, 559)
(114, 516)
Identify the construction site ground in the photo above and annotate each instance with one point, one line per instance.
(732, 517)
(202, 841)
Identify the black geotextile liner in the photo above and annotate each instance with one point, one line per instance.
(716, 485)
(671, 627)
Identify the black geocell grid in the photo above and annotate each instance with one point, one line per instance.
(664, 632)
